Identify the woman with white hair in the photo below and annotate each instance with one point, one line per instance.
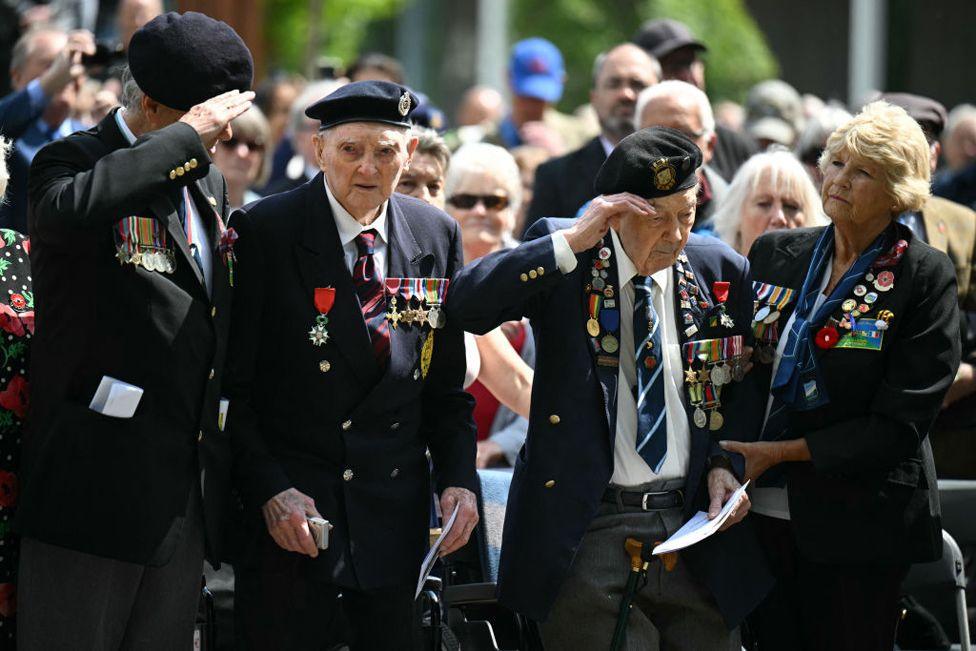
(769, 192)
(484, 192)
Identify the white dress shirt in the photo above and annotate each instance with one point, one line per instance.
(774, 501)
(349, 229)
(629, 468)
(201, 236)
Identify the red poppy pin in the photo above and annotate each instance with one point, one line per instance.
(826, 337)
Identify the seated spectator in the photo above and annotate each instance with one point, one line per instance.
(681, 106)
(47, 74)
(813, 138)
(771, 191)
(244, 160)
(374, 66)
(774, 113)
(424, 177)
(484, 193)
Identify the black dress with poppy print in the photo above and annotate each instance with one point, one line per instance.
(16, 330)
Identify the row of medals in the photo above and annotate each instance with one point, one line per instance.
(433, 315)
(150, 259)
(717, 373)
(598, 285)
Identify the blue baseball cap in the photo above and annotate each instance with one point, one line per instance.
(536, 70)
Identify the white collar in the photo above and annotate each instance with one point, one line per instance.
(347, 225)
(607, 146)
(123, 127)
(626, 270)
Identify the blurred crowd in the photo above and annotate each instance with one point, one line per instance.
(505, 159)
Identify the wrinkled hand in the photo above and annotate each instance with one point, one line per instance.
(67, 66)
(489, 454)
(467, 517)
(285, 516)
(760, 456)
(721, 485)
(211, 119)
(602, 213)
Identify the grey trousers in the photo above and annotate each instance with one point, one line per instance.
(672, 612)
(71, 600)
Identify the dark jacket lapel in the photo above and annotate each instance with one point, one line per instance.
(606, 370)
(321, 264)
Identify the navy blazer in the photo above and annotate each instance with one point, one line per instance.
(327, 419)
(567, 462)
(871, 479)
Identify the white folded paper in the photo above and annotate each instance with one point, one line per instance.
(699, 527)
(116, 398)
(428, 563)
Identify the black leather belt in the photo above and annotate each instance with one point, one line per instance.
(655, 501)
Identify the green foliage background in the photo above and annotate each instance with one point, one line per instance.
(737, 56)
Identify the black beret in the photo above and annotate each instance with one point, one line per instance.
(365, 101)
(183, 60)
(650, 163)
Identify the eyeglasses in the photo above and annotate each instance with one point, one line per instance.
(251, 145)
(489, 201)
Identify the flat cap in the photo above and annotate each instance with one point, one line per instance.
(930, 114)
(650, 163)
(365, 101)
(661, 37)
(183, 60)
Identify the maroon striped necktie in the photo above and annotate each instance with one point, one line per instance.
(369, 288)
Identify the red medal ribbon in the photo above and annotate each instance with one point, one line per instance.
(720, 290)
(324, 298)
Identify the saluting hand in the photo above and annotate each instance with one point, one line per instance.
(285, 516)
(211, 119)
(465, 522)
(602, 213)
(67, 67)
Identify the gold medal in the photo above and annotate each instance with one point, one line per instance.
(426, 354)
(593, 327)
(716, 420)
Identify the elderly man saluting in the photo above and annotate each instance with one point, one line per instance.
(640, 329)
(343, 370)
(132, 287)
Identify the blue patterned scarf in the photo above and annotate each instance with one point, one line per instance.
(798, 381)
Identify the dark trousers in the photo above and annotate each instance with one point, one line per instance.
(287, 609)
(71, 600)
(823, 607)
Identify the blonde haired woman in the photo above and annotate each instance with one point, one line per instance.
(866, 345)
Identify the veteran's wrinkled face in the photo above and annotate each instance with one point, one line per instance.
(362, 162)
(653, 243)
(424, 179)
(855, 194)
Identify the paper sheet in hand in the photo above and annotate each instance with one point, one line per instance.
(428, 563)
(699, 527)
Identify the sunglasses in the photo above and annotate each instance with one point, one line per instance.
(489, 201)
(251, 145)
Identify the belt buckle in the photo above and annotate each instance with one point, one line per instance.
(644, 500)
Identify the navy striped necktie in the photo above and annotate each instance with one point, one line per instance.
(369, 289)
(652, 419)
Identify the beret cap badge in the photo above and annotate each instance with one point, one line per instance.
(664, 174)
(404, 105)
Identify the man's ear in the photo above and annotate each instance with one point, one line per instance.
(318, 147)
